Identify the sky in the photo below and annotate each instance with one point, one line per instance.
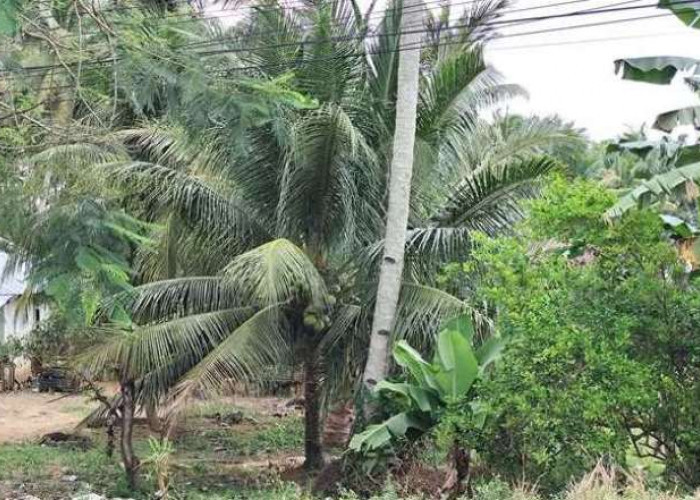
(577, 80)
(570, 71)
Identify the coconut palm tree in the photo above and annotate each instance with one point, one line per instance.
(399, 195)
(281, 213)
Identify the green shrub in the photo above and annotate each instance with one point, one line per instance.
(601, 323)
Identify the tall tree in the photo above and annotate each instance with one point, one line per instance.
(400, 174)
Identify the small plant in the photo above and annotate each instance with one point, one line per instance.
(430, 390)
(159, 463)
(10, 349)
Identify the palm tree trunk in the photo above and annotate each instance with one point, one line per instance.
(313, 451)
(127, 448)
(399, 196)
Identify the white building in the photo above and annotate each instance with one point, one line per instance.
(17, 317)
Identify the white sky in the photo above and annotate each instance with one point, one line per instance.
(577, 80)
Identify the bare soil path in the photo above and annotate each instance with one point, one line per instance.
(27, 415)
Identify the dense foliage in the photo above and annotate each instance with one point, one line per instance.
(602, 355)
(203, 206)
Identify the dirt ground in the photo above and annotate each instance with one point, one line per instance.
(27, 415)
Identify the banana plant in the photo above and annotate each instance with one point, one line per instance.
(431, 386)
(661, 70)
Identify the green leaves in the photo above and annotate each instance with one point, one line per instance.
(379, 436)
(486, 200)
(257, 343)
(684, 116)
(459, 367)
(205, 208)
(430, 387)
(678, 228)
(410, 359)
(657, 70)
(668, 184)
(275, 272)
(9, 9)
(423, 399)
(453, 93)
(686, 11)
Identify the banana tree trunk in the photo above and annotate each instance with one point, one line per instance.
(399, 196)
(313, 450)
(458, 477)
(127, 446)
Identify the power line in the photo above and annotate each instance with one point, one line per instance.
(497, 37)
(590, 40)
(194, 18)
(496, 22)
(459, 42)
(311, 62)
(597, 11)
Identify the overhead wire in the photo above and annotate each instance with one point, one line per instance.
(496, 22)
(602, 9)
(193, 17)
(290, 65)
(565, 43)
(317, 61)
(487, 24)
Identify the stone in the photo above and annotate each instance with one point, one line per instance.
(89, 496)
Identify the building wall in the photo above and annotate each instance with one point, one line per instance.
(17, 321)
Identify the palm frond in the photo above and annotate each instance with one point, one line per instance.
(166, 299)
(161, 144)
(487, 200)
(454, 91)
(421, 310)
(341, 353)
(257, 343)
(332, 69)
(439, 244)
(343, 321)
(148, 348)
(81, 155)
(165, 190)
(512, 137)
(383, 66)
(320, 192)
(281, 28)
(276, 272)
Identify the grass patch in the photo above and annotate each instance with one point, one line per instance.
(283, 435)
(208, 409)
(43, 469)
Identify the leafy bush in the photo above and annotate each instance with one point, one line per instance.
(9, 349)
(603, 354)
